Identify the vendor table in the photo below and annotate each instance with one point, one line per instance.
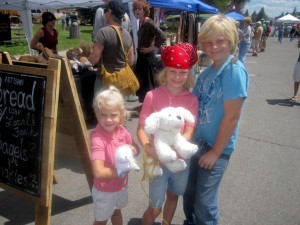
(85, 81)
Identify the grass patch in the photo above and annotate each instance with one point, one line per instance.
(64, 40)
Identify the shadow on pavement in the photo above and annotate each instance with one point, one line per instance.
(282, 102)
(24, 210)
(137, 221)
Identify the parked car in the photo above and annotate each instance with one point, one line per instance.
(36, 12)
(36, 15)
(15, 20)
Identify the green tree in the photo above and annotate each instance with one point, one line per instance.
(294, 12)
(261, 15)
(277, 17)
(254, 16)
(222, 5)
(227, 5)
(238, 5)
(246, 13)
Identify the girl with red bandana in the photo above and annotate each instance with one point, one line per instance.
(175, 79)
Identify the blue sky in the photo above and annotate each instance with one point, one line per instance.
(273, 7)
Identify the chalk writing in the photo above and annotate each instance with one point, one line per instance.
(21, 124)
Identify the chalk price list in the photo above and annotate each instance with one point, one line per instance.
(21, 125)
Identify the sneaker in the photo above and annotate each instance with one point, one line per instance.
(254, 54)
(132, 98)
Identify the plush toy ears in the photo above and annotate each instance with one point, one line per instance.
(152, 123)
(187, 115)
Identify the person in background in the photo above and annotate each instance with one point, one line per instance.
(237, 24)
(264, 35)
(245, 43)
(109, 191)
(292, 32)
(296, 78)
(221, 90)
(100, 22)
(280, 32)
(47, 36)
(107, 46)
(150, 37)
(74, 18)
(257, 38)
(67, 21)
(63, 21)
(175, 79)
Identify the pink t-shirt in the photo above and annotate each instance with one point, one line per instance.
(161, 97)
(103, 147)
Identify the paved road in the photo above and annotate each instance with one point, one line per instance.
(262, 183)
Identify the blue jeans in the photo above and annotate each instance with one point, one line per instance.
(173, 182)
(280, 36)
(244, 47)
(200, 201)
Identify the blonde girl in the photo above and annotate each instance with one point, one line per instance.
(175, 81)
(109, 191)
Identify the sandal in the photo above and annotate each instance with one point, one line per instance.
(294, 99)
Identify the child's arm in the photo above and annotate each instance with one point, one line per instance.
(145, 142)
(102, 172)
(188, 132)
(135, 149)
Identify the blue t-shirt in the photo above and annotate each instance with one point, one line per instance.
(213, 87)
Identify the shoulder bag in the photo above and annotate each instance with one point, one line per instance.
(124, 79)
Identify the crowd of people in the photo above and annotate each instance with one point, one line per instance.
(215, 99)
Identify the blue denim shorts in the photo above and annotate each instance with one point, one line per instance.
(173, 182)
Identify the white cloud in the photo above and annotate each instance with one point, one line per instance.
(272, 7)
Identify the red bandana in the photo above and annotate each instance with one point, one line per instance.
(180, 56)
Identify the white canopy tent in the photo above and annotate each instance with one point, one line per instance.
(25, 6)
(288, 19)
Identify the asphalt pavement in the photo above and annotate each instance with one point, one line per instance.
(261, 185)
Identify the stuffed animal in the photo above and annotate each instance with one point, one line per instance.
(171, 147)
(125, 161)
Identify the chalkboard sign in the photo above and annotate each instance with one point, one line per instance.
(22, 99)
(5, 31)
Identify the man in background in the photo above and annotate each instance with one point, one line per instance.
(258, 31)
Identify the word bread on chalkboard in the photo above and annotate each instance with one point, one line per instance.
(22, 98)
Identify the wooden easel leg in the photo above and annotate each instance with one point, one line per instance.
(42, 214)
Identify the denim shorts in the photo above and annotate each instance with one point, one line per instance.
(173, 182)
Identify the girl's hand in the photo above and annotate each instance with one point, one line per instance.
(135, 151)
(150, 150)
(208, 160)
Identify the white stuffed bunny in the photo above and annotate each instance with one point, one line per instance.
(125, 161)
(171, 147)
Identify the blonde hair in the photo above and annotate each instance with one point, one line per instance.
(162, 80)
(112, 98)
(219, 24)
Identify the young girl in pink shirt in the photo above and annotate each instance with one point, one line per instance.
(109, 191)
(176, 79)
